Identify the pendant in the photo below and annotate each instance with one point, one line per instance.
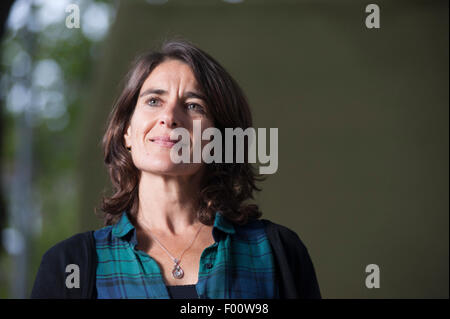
(177, 272)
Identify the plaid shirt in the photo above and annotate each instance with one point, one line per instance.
(239, 264)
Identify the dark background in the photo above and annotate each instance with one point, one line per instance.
(362, 117)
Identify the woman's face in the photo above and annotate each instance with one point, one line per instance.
(169, 98)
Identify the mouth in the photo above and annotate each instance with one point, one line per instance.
(164, 141)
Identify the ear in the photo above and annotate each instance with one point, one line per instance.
(127, 137)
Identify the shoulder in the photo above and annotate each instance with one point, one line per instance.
(76, 252)
(275, 232)
(253, 229)
(282, 239)
(103, 234)
(283, 234)
(295, 268)
(287, 246)
(78, 249)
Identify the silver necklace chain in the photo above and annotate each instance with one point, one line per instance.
(177, 271)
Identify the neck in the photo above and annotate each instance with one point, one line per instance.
(168, 203)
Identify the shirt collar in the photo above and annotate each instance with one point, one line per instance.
(123, 227)
(223, 224)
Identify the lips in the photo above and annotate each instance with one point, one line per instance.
(164, 141)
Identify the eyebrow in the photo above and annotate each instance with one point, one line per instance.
(188, 94)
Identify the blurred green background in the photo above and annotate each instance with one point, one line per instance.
(362, 116)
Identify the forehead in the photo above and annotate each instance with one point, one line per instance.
(171, 73)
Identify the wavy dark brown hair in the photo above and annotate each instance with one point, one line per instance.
(226, 187)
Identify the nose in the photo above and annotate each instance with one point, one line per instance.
(169, 122)
(170, 117)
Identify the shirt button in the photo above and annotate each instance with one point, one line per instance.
(209, 266)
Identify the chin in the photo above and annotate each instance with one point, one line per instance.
(167, 167)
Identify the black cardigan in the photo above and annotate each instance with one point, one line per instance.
(294, 269)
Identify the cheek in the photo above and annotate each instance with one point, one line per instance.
(141, 127)
(205, 124)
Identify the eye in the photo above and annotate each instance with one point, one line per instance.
(153, 101)
(195, 107)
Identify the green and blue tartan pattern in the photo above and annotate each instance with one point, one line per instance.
(239, 264)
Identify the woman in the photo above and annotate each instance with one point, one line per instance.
(177, 230)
